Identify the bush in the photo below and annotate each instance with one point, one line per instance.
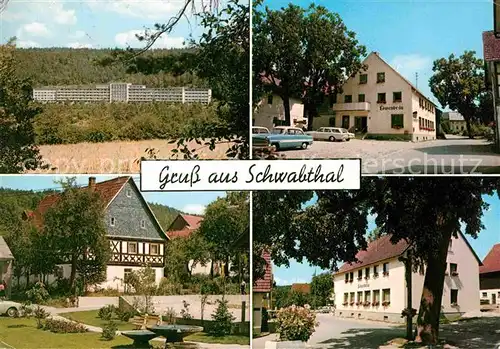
(168, 288)
(38, 293)
(295, 323)
(109, 331)
(107, 312)
(62, 326)
(185, 311)
(222, 320)
(124, 315)
(40, 315)
(169, 316)
(210, 287)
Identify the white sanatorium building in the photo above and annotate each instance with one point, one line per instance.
(121, 92)
(375, 287)
(380, 101)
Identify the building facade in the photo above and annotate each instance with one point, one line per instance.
(121, 92)
(375, 287)
(134, 234)
(491, 54)
(455, 121)
(6, 260)
(489, 276)
(270, 112)
(381, 102)
(261, 295)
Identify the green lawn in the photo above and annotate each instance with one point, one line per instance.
(90, 318)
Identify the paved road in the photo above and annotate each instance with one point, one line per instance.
(451, 156)
(334, 332)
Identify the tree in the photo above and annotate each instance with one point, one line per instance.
(458, 82)
(17, 136)
(425, 212)
(75, 228)
(374, 234)
(143, 281)
(322, 288)
(486, 113)
(324, 54)
(224, 221)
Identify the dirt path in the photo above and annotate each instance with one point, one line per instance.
(114, 157)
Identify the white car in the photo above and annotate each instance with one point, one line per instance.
(331, 134)
(351, 135)
(9, 308)
(259, 130)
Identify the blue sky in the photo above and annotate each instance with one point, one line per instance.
(94, 23)
(189, 202)
(302, 272)
(411, 34)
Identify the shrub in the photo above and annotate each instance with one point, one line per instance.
(106, 312)
(168, 288)
(185, 311)
(169, 316)
(109, 331)
(210, 287)
(62, 326)
(407, 312)
(40, 315)
(38, 293)
(295, 323)
(124, 315)
(222, 320)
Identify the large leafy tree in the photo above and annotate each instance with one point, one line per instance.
(309, 51)
(75, 228)
(458, 82)
(17, 137)
(425, 212)
(322, 288)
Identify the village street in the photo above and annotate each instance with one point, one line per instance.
(454, 155)
(334, 332)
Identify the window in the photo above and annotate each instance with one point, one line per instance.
(363, 78)
(348, 99)
(270, 99)
(385, 269)
(346, 278)
(143, 224)
(376, 297)
(351, 298)
(351, 277)
(381, 98)
(367, 298)
(132, 247)
(154, 249)
(345, 121)
(453, 269)
(367, 273)
(386, 297)
(361, 98)
(129, 193)
(485, 294)
(397, 121)
(454, 297)
(112, 221)
(397, 97)
(450, 245)
(360, 274)
(126, 274)
(346, 299)
(331, 121)
(380, 77)
(360, 298)
(375, 271)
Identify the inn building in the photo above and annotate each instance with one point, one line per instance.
(489, 276)
(381, 102)
(375, 287)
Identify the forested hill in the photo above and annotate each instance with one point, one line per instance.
(66, 66)
(14, 202)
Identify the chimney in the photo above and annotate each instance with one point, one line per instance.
(92, 183)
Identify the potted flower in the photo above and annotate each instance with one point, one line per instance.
(455, 273)
(352, 303)
(376, 303)
(344, 304)
(358, 304)
(386, 303)
(295, 325)
(375, 275)
(366, 304)
(454, 305)
(386, 273)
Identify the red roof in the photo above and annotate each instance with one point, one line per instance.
(304, 288)
(192, 220)
(491, 46)
(491, 262)
(266, 283)
(107, 189)
(184, 233)
(376, 251)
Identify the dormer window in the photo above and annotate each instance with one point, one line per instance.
(112, 221)
(129, 193)
(143, 224)
(270, 99)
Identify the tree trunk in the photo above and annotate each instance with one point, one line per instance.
(469, 128)
(409, 302)
(311, 111)
(72, 277)
(211, 270)
(432, 293)
(286, 108)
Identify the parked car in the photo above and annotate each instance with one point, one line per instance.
(331, 134)
(285, 137)
(259, 130)
(9, 308)
(350, 134)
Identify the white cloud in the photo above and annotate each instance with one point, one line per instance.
(49, 11)
(129, 39)
(78, 45)
(408, 65)
(78, 34)
(62, 16)
(26, 44)
(194, 209)
(34, 29)
(287, 282)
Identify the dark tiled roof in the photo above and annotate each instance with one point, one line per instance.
(376, 251)
(266, 283)
(491, 262)
(304, 288)
(107, 189)
(491, 47)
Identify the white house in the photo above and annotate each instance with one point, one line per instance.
(380, 101)
(375, 287)
(490, 277)
(270, 112)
